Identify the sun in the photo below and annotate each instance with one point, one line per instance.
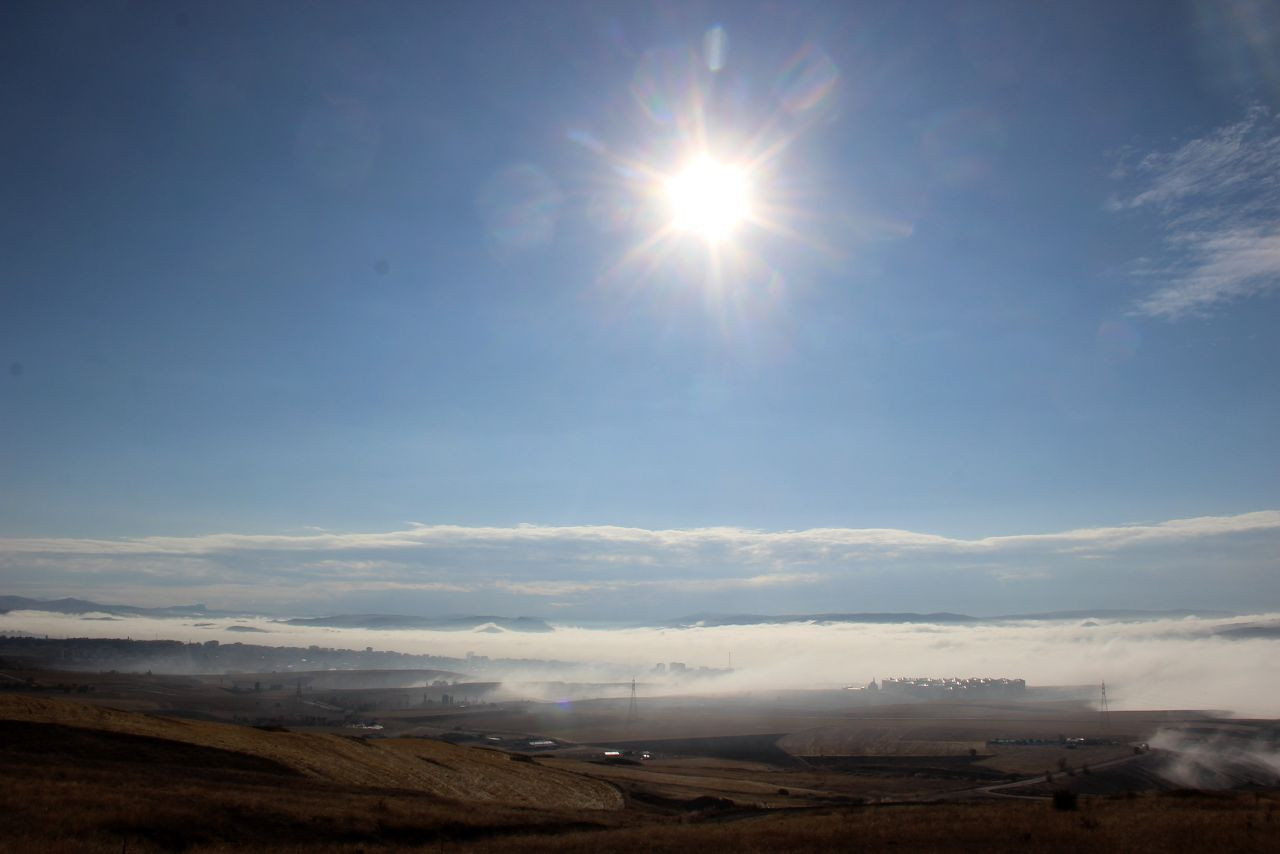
(709, 198)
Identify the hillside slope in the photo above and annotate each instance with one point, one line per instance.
(461, 773)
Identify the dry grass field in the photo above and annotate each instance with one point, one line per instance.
(854, 729)
(408, 764)
(78, 776)
(762, 785)
(1186, 822)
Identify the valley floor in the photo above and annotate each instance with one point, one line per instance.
(76, 777)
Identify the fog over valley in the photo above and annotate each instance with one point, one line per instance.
(1180, 663)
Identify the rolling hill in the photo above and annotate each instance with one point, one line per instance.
(418, 765)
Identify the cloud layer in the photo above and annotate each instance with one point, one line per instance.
(614, 570)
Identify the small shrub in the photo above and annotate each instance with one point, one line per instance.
(1065, 800)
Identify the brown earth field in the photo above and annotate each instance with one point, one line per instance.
(896, 745)
(935, 723)
(246, 697)
(77, 776)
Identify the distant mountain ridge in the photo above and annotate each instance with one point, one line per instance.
(484, 623)
(711, 620)
(83, 606)
(400, 621)
(1118, 614)
(491, 623)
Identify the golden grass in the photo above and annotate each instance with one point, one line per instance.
(87, 779)
(414, 764)
(75, 810)
(1153, 823)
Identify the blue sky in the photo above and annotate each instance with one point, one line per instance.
(321, 270)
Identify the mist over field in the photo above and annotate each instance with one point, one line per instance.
(1218, 760)
(1183, 663)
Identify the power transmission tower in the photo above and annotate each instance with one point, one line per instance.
(631, 707)
(1104, 708)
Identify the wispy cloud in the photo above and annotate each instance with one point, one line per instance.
(612, 544)
(1219, 199)
(1174, 530)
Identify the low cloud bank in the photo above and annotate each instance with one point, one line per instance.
(615, 572)
(1169, 663)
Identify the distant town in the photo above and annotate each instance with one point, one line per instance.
(942, 688)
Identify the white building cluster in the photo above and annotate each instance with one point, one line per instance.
(976, 686)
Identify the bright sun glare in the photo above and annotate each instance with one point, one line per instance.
(709, 198)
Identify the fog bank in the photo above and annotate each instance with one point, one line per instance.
(1171, 663)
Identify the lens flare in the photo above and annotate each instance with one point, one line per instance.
(709, 198)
